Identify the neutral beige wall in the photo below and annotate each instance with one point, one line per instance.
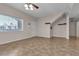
(28, 31)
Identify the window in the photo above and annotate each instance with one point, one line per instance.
(10, 24)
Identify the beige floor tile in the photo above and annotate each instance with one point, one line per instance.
(38, 46)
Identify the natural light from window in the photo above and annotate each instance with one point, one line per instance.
(10, 24)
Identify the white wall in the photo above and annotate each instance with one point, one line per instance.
(77, 29)
(72, 28)
(59, 30)
(28, 31)
(43, 30)
(67, 26)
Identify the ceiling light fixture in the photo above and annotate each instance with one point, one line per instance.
(26, 7)
(30, 6)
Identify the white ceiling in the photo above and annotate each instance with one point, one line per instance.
(44, 8)
(49, 8)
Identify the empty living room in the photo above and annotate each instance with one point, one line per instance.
(39, 29)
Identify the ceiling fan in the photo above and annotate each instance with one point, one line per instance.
(30, 6)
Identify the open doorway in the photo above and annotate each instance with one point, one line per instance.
(77, 29)
(72, 28)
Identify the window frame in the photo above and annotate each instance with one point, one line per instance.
(19, 19)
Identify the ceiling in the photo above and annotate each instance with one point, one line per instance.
(44, 8)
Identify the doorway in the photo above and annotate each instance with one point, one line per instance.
(72, 28)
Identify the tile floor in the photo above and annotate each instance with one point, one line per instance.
(38, 46)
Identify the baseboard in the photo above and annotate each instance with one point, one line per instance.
(42, 36)
(58, 37)
(15, 40)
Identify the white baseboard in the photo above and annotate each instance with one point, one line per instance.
(5, 42)
(58, 37)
